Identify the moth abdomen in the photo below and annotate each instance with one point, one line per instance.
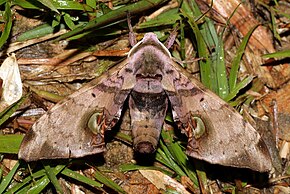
(145, 137)
(148, 105)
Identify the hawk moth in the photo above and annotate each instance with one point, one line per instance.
(152, 83)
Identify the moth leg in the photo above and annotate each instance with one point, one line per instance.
(132, 36)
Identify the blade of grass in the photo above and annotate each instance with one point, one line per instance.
(44, 181)
(8, 24)
(279, 54)
(74, 175)
(108, 182)
(23, 190)
(37, 32)
(235, 65)
(1, 173)
(219, 66)
(178, 155)
(238, 87)
(115, 15)
(202, 178)
(5, 115)
(60, 5)
(161, 157)
(274, 25)
(8, 178)
(47, 95)
(69, 22)
(2, 1)
(10, 143)
(50, 174)
(169, 17)
(169, 158)
(222, 87)
(26, 181)
(48, 4)
(205, 64)
(182, 40)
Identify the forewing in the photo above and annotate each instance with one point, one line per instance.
(217, 133)
(63, 131)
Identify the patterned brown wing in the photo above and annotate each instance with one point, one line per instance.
(216, 132)
(75, 126)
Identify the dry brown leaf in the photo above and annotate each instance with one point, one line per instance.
(12, 85)
(163, 181)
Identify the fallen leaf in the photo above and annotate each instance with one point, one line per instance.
(12, 85)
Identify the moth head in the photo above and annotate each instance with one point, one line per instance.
(149, 39)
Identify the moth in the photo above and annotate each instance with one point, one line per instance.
(152, 83)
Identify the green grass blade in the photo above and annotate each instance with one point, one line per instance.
(206, 63)
(74, 175)
(69, 22)
(28, 5)
(5, 115)
(238, 87)
(162, 158)
(2, 2)
(91, 3)
(44, 181)
(39, 186)
(169, 17)
(108, 182)
(50, 174)
(8, 24)
(274, 25)
(23, 190)
(26, 181)
(58, 5)
(235, 65)
(10, 143)
(1, 173)
(37, 32)
(279, 54)
(169, 158)
(72, 5)
(7, 179)
(220, 68)
(49, 4)
(178, 155)
(182, 40)
(114, 16)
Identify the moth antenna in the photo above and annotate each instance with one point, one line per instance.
(170, 40)
(132, 36)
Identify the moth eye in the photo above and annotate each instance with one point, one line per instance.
(199, 128)
(95, 122)
(94, 95)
